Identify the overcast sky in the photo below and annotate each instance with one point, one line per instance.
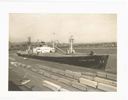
(86, 28)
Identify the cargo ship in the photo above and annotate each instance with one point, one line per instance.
(91, 60)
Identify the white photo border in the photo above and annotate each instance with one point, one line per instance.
(62, 7)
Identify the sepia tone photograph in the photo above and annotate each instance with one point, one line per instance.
(63, 52)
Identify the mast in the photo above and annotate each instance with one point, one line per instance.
(71, 50)
(53, 42)
(29, 43)
(29, 46)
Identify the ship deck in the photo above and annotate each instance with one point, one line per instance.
(65, 55)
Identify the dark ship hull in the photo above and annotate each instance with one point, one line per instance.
(90, 61)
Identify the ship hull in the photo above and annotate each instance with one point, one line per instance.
(91, 61)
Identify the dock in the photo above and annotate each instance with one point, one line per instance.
(39, 75)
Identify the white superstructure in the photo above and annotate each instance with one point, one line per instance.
(43, 49)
